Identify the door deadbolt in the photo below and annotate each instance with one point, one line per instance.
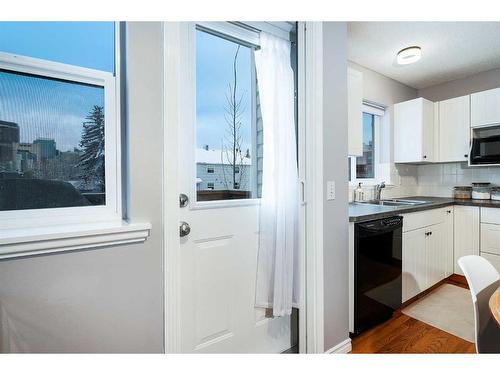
(184, 229)
(183, 200)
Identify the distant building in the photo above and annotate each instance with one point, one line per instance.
(9, 141)
(25, 158)
(25, 161)
(45, 148)
(214, 172)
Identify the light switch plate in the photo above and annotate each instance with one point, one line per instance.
(330, 190)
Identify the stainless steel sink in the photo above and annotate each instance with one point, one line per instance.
(396, 202)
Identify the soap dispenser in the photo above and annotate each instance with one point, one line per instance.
(359, 193)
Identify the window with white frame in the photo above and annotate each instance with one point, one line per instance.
(228, 121)
(365, 168)
(59, 128)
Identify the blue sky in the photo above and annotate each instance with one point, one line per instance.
(87, 44)
(367, 128)
(214, 71)
(50, 108)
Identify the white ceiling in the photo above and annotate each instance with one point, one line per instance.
(450, 50)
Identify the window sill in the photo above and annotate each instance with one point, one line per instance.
(54, 239)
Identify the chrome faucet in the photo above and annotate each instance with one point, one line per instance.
(378, 190)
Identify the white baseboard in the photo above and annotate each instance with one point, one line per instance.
(341, 348)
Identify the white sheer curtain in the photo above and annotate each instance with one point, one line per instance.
(277, 265)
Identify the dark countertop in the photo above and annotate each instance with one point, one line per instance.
(359, 212)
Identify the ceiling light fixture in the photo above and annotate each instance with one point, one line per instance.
(409, 55)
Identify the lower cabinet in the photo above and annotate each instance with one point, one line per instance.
(493, 259)
(437, 255)
(414, 263)
(427, 252)
(490, 235)
(466, 234)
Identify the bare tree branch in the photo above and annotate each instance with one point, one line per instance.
(234, 112)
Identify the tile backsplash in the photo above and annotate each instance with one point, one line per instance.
(402, 183)
(431, 180)
(439, 179)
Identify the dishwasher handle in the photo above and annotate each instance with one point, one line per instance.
(383, 225)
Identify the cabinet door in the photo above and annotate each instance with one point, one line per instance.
(485, 108)
(414, 263)
(490, 238)
(428, 131)
(493, 259)
(355, 112)
(466, 234)
(454, 129)
(414, 131)
(436, 253)
(449, 241)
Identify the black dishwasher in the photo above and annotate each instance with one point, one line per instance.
(377, 271)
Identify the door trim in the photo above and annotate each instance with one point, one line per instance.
(343, 348)
(170, 181)
(311, 172)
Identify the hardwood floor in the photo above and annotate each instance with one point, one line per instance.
(403, 334)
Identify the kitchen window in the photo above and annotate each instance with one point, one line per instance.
(59, 123)
(366, 169)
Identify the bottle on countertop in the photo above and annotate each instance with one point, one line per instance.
(359, 194)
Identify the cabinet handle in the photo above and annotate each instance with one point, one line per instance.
(448, 211)
(425, 156)
(466, 156)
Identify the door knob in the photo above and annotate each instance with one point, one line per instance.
(183, 200)
(184, 229)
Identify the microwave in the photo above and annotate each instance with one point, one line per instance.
(485, 146)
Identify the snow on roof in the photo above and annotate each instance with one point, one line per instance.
(216, 157)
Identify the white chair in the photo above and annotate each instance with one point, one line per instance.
(483, 280)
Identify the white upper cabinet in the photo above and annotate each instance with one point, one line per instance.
(355, 111)
(414, 132)
(454, 129)
(485, 108)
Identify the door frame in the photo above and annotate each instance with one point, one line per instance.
(310, 36)
(310, 174)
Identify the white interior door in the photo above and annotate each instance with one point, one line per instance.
(218, 257)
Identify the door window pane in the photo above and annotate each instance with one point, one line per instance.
(51, 143)
(226, 121)
(365, 165)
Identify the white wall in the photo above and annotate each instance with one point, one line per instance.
(385, 91)
(474, 83)
(381, 89)
(335, 212)
(109, 299)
